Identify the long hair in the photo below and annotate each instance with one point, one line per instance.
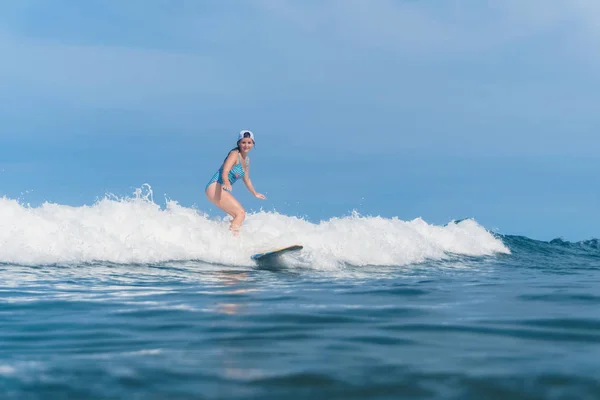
(229, 152)
(246, 135)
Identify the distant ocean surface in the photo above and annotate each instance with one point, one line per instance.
(124, 299)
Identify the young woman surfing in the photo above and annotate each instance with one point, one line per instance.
(235, 166)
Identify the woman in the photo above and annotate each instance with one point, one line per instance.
(235, 166)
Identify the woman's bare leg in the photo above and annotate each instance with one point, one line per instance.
(226, 202)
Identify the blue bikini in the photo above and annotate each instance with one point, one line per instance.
(235, 173)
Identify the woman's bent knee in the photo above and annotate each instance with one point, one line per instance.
(240, 214)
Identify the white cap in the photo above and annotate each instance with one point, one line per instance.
(241, 135)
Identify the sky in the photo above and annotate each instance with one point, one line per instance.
(441, 110)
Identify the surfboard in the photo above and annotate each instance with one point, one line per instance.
(276, 253)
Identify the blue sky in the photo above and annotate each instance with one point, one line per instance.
(440, 110)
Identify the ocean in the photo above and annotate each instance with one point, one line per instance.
(127, 299)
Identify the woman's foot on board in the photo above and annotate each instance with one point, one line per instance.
(235, 229)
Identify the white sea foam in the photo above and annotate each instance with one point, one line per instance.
(6, 370)
(137, 230)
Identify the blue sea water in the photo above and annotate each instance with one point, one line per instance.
(124, 299)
